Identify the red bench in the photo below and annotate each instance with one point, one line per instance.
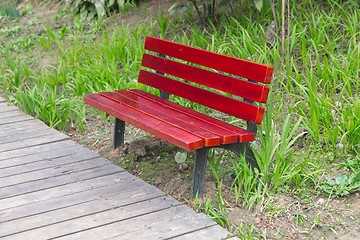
(210, 79)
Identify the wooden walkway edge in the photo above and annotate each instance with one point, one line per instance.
(53, 188)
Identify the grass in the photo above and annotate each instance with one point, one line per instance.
(312, 123)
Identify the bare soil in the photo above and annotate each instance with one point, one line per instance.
(281, 216)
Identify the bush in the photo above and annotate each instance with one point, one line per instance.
(100, 8)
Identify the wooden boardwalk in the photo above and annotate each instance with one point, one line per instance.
(53, 188)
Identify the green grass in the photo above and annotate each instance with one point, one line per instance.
(312, 123)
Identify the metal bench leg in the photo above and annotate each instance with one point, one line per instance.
(239, 149)
(119, 132)
(250, 157)
(199, 172)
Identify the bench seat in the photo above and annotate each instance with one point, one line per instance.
(176, 124)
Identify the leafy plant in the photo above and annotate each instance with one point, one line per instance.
(207, 10)
(9, 11)
(216, 211)
(351, 164)
(92, 8)
(341, 185)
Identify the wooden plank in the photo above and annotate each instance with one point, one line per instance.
(135, 224)
(52, 172)
(20, 118)
(20, 136)
(164, 131)
(219, 102)
(35, 149)
(209, 233)
(120, 212)
(77, 156)
(174, 225)
(18, 126)
(4, 104)
(28, 187)
(52, 222)
(75, 188)
(235, 86)
(39, 140)
(11, 114)
(210, 139)
(23, 127)
(227, 136)
(24, 130)
(244, 135)
(50, 155)
(113, 189)
(236, 66)
(5, 107)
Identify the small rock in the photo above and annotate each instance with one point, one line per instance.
(271, 32)
(183, 167)
(140, 151)
(321, 201)
(125, 148)
(158, 181)
(257, 220)
(340, 146)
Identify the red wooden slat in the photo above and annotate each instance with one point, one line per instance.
(219, 102)
(215, 80)
(239, 67)
(209, 138)
(227, 136)
(244, 135)
(160, 129)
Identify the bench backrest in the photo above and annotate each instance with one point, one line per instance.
(186, 68)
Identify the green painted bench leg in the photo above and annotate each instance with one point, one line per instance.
(239, 149)
(199, 172)
(119, 132)
(250, 157)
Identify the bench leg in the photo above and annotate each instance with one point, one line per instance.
(199, 172)
(119, 132)
(239, 149)
(250, 157)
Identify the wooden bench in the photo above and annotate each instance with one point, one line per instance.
(223, 83)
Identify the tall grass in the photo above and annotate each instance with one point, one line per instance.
(80, 65)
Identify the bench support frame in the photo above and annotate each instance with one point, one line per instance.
(119, 133)
(201, 162)
(201, 157)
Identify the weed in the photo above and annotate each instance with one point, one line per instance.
(341, 185)
(247, 231)
(9, 11)
(351, 164)
(215, 211)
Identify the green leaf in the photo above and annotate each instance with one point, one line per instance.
(110, 3)
(258, 4)
(121, 4)
(180, 157)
